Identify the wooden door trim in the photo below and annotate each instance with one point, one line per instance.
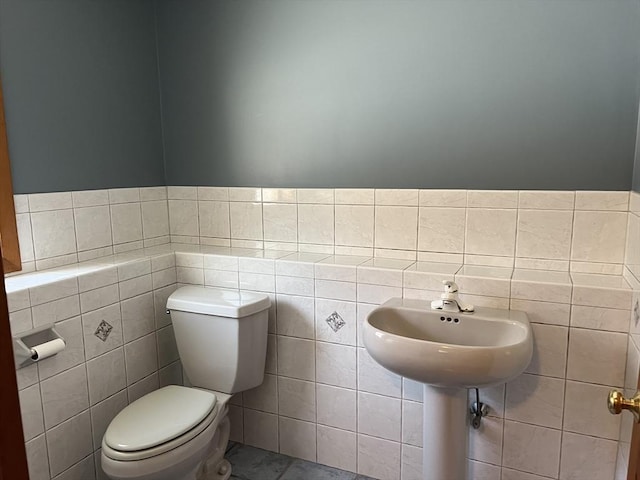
(13, 459)
(8, 229)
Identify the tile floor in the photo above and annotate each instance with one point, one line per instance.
(250, 463)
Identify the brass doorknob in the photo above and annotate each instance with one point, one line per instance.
(616, 403)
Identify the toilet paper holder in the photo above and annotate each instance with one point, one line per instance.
(37, 344)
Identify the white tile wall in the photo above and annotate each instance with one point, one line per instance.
(324, 399)
(68, 400)
(56, 229)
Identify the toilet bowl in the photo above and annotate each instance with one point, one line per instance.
(181, 433)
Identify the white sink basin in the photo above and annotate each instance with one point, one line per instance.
(478, 349)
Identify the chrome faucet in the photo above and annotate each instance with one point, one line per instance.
(449, 300)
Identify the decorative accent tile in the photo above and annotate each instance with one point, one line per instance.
(335, 321)
(103, 331)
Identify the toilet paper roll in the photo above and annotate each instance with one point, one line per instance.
(47, 349)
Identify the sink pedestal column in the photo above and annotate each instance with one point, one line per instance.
(444, 446)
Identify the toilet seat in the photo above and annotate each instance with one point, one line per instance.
(159, 422)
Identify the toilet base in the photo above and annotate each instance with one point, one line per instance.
(193, 461)
(216, 467)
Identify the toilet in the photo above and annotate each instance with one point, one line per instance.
(181, 433)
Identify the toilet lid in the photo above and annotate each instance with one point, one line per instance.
(158, 417)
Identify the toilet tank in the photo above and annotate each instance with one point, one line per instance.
(221, 336)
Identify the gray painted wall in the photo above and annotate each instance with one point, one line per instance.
(412, 93)
(81, 94)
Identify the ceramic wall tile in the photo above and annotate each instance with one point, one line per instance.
(442, 198)
(336, 290)
(69, 442)
(155, 219)
(294, 285)
(316, 224)
(83, 470)
(531, 448)
(167, 347)
(490, 232)
(98, 298)
(336, 407)
(297, 264)
(297, 439)
(599, 236)
(296, 358)
(597, 318)
(55, 311)
(587, 413)
(404, 197)
(264, 397)
(106, 375)
(297, 399)
(295, 316)
(412, 423)
(354, 225)
(441, 229)
(337, 448)
(141, 357)
(213, 194)
(64, 395)
(102, 413)
(535, 399)
(375, 379)
(596, 356)
(40, 202)
(183, 217)
(587, 458)
(102, 330)
(280, 222)
(148, 194)
(25, 237)
(482, 471)
(546, 200)
(396, 227)
(137, 317)
(354, 196)
(31, 412)
(342, 273)
(315, 195)
(126, 222)
(508, 474)
(602, 200)
(335, 321)
(135, 286)
(492, 198)
(336, 365)
(378, 457)
(93, 227)
(124, 195)
(549, 350)
(544, 234)
(486, 443)
(379, 416)
(544, 312)
(279, 195)
(53, 233)
(241, 194)
(261, 430)
(21, 203)
(377, 293)
(37, 458)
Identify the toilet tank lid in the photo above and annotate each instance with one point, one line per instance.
(213, 301)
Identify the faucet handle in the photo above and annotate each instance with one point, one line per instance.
(450, 286)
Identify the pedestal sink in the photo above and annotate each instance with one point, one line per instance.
(448, 352)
